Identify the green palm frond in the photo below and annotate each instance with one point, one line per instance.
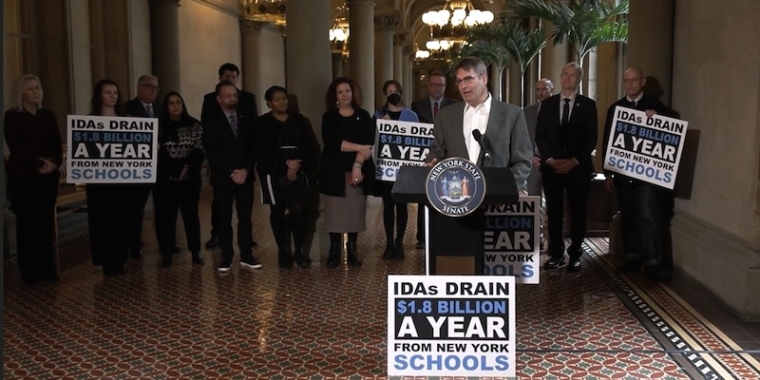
(487, 50)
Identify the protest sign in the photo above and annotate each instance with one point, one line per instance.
(400, 143)
(511, 240)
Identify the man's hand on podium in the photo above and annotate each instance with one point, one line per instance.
(431, 163)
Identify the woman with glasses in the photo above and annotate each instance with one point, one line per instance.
(393, 109)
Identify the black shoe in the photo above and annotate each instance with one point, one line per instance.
(352, 256)
(655, 273)
(285, 260)
(166, 261)
(398, 251)
(250, 263)
(628, 266)
(225, 266)
(420, 245)
(574, 265)
(333, 259)
(303, 262)
(118, 268)
(135, 254)
(177, 249)
(388, 253)
(213, 242)
(197, 258)
(554, 263)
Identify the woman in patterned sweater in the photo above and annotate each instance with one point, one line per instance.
(178, 187)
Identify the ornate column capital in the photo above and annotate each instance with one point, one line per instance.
(349, 3)
(250, 27)
(401, 39)
(407, 50)
(164, 2)
(386, 23)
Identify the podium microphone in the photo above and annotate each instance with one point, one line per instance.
(482, 142)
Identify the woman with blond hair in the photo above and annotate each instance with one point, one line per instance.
(35, 149)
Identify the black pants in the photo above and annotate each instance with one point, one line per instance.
(420, 223)
(137, 198)
(33, 202)
(173, 197)
(297, 222)
(225, 194)
(391, 211)
(107, 218)
(577, 184)
(645, 214)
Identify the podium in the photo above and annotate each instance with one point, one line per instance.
(454, 244)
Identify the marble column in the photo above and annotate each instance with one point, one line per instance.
(164, 36)
(516, 85)
(407, 73)
(590, 76)
(361, 47)
(384, 27)
(553, 58)
(251, 41)
(399, 41)
(495, 81)
(650, 43)
(337, 65)
(309, 74)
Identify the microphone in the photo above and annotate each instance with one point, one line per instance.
(482, 142)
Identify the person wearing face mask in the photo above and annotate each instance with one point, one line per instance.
(394, 109)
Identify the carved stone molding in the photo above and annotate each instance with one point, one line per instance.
(361, 2)
(250, 26)
(164, 2)
(401, 39)
(387, 23)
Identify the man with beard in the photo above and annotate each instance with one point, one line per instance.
(228, 142)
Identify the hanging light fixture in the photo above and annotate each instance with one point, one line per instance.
(453, 21)
(272, 11)
(339, 32)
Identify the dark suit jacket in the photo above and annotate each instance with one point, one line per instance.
(226, 152)
(575, 140)
(645, 103)
(246, 106)
(135, 108)
(424, 109)
(334, 163)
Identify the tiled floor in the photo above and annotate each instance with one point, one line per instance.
(193, 323)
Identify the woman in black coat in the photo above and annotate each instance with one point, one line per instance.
(178, 188)
(35, 146)
(346, 171)
(282, 151)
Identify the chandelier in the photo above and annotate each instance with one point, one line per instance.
(339, 33)
(272, 11)
(451, 23)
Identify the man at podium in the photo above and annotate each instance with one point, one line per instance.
(482, 129)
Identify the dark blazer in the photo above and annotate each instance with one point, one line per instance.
(575, 140)
(645, 103)
(225, 152)
(135, 108)
(334, 164)
(246, 106)
(424, 109)
(270, 158)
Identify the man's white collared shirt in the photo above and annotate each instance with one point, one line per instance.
(475, 118)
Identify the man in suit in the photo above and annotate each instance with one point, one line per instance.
(544, 89)
(228, 142)
(427, 109)
(645, 208)
(210, 109)
(143, 105)
(566, 130)
(503, 126)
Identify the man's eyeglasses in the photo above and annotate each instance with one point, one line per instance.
(467, 80)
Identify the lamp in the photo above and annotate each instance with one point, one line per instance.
(451, 23)
(272, 11)
(339, 33)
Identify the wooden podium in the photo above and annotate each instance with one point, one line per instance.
(454, 244)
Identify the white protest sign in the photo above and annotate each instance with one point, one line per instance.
(111, 149)
(512, 240)
(451, 326)
(645, 148)
(400, 143)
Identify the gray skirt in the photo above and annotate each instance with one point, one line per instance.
(346, 214)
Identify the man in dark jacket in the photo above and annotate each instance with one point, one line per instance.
(211, 109)
(645, 208)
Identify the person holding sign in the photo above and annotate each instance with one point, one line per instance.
(108, 213)
(228, 142)
(393, 109)
(502, 126)
(283, 148)
(645, 208)
(346, 171)
(35, 147)
(178, 188)
(566, 134)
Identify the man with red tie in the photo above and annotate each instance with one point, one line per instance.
(427, 109)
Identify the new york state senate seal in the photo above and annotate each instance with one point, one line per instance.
(455, 187)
